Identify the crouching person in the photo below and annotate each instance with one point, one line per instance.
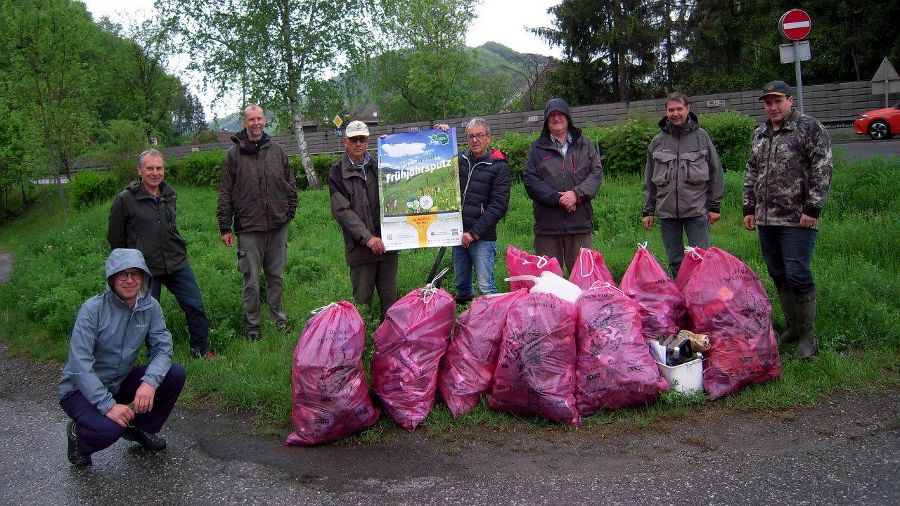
(101, 390)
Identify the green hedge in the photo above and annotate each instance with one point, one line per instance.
(89, 187)
(730, 133)
(204, 168)
(624, 146)
(321, 165)
(515, 146)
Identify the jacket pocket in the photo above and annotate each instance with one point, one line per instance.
(696, 166)
(663, 163)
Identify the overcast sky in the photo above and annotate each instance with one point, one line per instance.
(500, 21)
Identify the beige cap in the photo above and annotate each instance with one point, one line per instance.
(356, 129)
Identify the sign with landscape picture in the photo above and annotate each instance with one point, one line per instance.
(418, 182)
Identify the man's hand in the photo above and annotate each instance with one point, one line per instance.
(442, 126)
(121, 414)
(808, 221)
(713, 217)
(143, 398)
(467, 239)
(648, 222)
(750, 222)
(228, 239)
(376, 245)
(568, 200)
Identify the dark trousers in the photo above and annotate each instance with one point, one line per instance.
(96, 432)
(673, 231)
(382, 275)
(183, 285)
(788, 254)
(564, 247)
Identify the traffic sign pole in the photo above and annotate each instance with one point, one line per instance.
(798, 75)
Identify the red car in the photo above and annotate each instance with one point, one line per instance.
(879, 123)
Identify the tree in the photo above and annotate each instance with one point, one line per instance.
(610, 48)
(418, 77)
(49, 41)
(270, 49)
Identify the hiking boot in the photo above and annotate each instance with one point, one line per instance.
(283, 327)
(808, 347)
(76, 456)
(789, 307)
(253, 335)
(144, 438)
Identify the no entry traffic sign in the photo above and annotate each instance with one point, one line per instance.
(795, 24)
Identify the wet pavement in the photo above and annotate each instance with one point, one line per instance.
(843, 451)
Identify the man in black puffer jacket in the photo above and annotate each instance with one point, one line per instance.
(562, 175)
(484, 187)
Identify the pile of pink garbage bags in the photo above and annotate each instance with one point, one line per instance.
(532, 351)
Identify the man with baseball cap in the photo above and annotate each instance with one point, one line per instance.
(355, 204)
(785, 187)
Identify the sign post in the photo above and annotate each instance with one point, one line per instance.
(795, 25)
(886, 80)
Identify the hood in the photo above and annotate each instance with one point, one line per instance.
(246, 145)
(558, 104)
(691, 124)
(492, 155)
(136, 186)
(123, 258)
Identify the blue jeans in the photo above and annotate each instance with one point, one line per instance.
(481, 254)
(788, 254)
(183, 285)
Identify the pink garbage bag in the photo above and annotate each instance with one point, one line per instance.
(727, 302)
(662, 305)
(329, 395)
(614, 365)
(409, 345)
(692, 259)
(535, 372)
(468, 366)
(521, 263)
(590, 268)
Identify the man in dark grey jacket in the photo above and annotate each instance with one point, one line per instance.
(258, 197)
(683, 181)
(562, 175)
(355, 204)
(143, 217)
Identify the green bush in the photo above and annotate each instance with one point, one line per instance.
(624, 147)
(174, 169)
(321, 165)
(203, 168)
(89, 187)
(515, 146)
(730, 133)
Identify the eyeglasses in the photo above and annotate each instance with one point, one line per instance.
(358, 140)
(134, 274)
(479, 136)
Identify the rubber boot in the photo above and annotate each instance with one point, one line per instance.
(788, 306)
(806, 325)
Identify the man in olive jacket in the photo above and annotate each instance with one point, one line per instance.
(355, 204)
(143, 217)
(785, 187)
(562, 175)
(683, 181)
(258, 198)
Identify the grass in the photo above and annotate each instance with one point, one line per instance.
(59, 264)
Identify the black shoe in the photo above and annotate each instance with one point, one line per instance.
(462, 301)
(144, 438)
(283, 327)
(76, 456)
(253, 335)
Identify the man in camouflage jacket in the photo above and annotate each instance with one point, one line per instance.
(785, 187)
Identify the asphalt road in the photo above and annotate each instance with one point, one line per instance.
(867, 148)
(841, 452)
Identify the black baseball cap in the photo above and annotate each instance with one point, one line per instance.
(780, 88)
